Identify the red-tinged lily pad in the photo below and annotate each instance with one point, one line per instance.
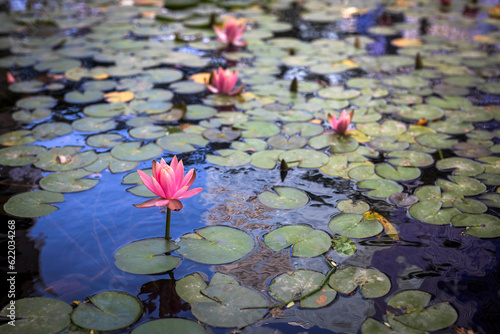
(372, 283)
(305, 241)
(147, 256)
(215, 245)
(33, 203)
(352, 225)
(37, 315)
(471, 150)
(107, 311)
(287, 286)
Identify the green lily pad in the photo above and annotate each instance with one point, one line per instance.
(187, 87)
(491, 199)
(150, 107)
(229, 158)
(305, 241)
(406, 81)
(451, 126)
(133, 151)
(284, 198)
(48, 131)
(140, 189)
(304, 158)
(250, 144)
(287, 286)
(449, 102)
(89, 96)
(106, 109)
(181, 142)
(469, 205)
(364, 172)
(68, 181)
(30, 116)
(215, 245)
(254, 129)
(164, 75)
(105, 160)
(90, 124)
(104, 140)
(27, 87)
(397, 174)
(197, 112)
(372, 283)
(147, 256)
(226, 134)
(461, 166)
(410, 159)
(14, 138)
(265, 159)
(490, 88)
(284, 143)
(479, 225)
(434, 317)
(353, 225)
(380, 188)
(489, 179)
(463, 185)
(471, 150)
(57, 65)
(436, 140)
(388, 143)
(302, 129)
(66, 158)
(148, 132)
(35, 102)
(343, 246)
(387, 128)
(32, 203)
(348, 206)
(431, 212)
(108, 310)
(20, 155)
(37, 315)
(174, 325)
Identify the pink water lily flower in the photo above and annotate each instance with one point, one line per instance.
(223, 82)
(169, 183)
(231, 32)
(342, 124)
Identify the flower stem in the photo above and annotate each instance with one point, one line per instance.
(167, 225)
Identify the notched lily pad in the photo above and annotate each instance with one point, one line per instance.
(59, 159)
(284, 198)
(147, 256)
(33, 203)
(20, 155)
(479, 225)
(305, 241)
(353, 225)
(372, 283)
(133, 151)
(68, 181)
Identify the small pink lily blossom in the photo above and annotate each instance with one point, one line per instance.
(169, 183)
(342, 124)
(231, 32)
(223, 82)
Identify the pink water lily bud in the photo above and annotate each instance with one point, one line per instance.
(342, 124)
(223, 82)
(169, 183)
(231, 32)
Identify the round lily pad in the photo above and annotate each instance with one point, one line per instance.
(436, 140)
(410, 158)
(461, 166)
(463, 185)
(104, 140)
(215, 245)
(107, 311)
(431, 212)
(372, 283)
(265, 159)
(35, 102)
(348, 206)
(68, 181)
(20, 155)
(48, 131)
(30, 116)
(432, 318)
(89, 96)
(287, 286)
(37, 316)
(380, 188)
(174, 325)
(229, 158)
(479, 225)
(469, 205)
(284, 198)
(284, 143)
(226, 134)
(388, 143)
(181, 142)
(147, 256)
(32, 203)
(254, 129)
(105, 109)
(250, 144)
(90, 124)
(148, 132)
(133, 151)
(353, 225)
(66, 158)
(197, 112)
(304, 158)
(27, 87)
(397, 174)
(187, 87)
(305, 241)
(302, 129)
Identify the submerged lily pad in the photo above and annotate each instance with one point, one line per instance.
(305, 241)
(108, 310)
(287, 286)
(147, 256)
(343, 246)
(353, 225)
(372, 283)
(37, 316)
(215, 245)
(33, 203)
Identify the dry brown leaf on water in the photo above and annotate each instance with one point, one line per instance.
(119, 97)
(389, 229)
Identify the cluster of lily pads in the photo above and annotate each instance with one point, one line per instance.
(411, 118)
